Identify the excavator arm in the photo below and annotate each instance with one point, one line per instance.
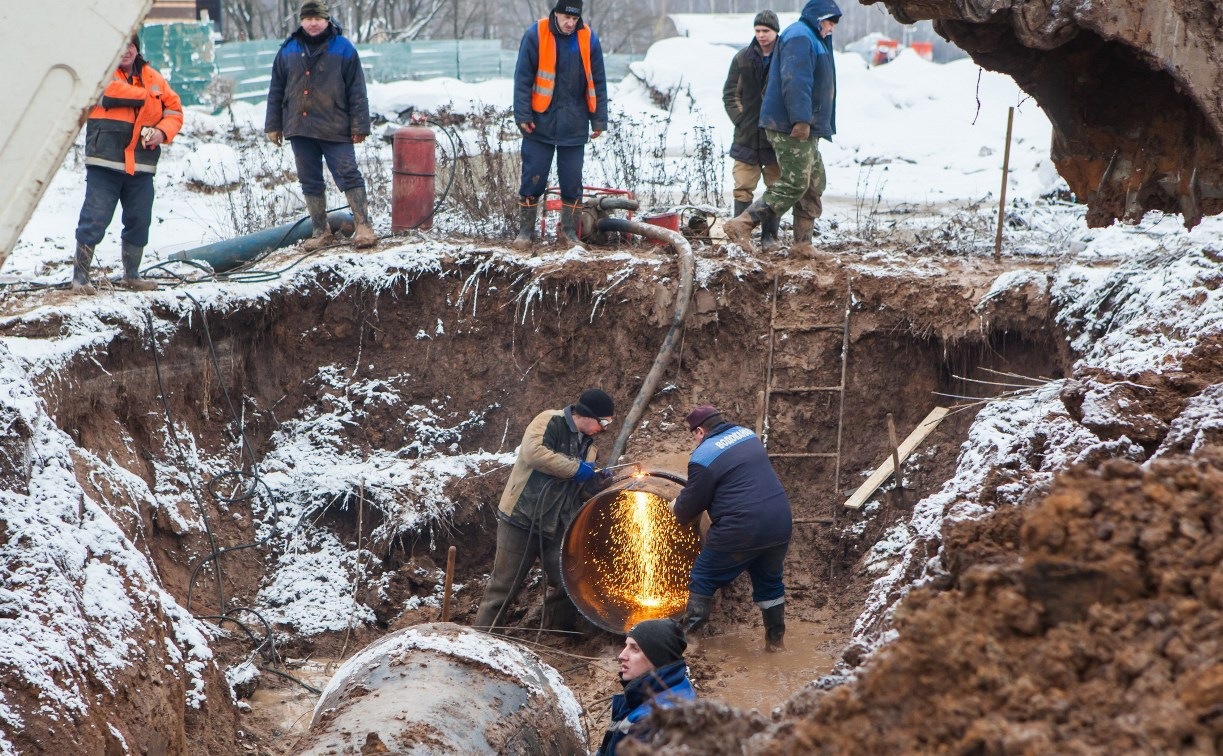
(59, 54)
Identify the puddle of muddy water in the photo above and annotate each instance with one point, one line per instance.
(288, 707)
(749, 678)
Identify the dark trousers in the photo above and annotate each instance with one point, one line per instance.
(537, 163)
(517, 550)
(716, 569)
(104, 187)
(341, 160)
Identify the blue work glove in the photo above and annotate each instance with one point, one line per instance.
(585, 472)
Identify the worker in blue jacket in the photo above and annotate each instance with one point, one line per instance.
(654, 675)
(731, 478)
(799, 108)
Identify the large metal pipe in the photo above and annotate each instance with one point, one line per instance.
(443, 688)
(687, 267)
(602, 559)
(228, 254)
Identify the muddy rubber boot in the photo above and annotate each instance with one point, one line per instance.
(526, 225)
(131, 270)
(740, 206)
(739, 229)
(568, 233)
(774, 627)
(358, 202)
(81, 261)
(696, 614)
(316, 205)
(804, 230)
(768, 234)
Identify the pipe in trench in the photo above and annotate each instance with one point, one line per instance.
(227, 254)
(687, 268)
(624, 558)
(444, 688)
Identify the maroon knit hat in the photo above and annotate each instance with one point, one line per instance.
(700, 415)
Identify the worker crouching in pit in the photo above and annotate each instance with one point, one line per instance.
(731, 478)
(654, 675)
(553, 474)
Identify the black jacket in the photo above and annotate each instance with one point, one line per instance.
(318, 88)
(730, 476)
(741, 96)
(568, 121)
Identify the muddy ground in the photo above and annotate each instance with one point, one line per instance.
(914, 330)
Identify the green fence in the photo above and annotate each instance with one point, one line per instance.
(183, 53)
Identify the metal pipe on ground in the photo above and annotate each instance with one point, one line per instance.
(228, 254)
(443, 688)
(624, 557)
(687, 268)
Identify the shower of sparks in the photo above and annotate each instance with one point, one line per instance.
(646, 570)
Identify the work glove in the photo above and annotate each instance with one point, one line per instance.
(358, 138)
(801, 130)
(276, 137)
(585, 472)
(603, 479)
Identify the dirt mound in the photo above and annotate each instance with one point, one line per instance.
(1100, 632)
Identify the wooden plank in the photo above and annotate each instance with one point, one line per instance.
(877, 478)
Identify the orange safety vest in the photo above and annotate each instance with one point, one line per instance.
(545, 75)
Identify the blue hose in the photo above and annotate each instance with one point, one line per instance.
(230, 253)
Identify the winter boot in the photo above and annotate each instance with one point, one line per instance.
(131, 270)
(739, 229)
(527, 208)
(570, 215)
(804, 230)
(316, 205)
(768, 234)
(740, 206)
(363, 237)
(81, 261)
(774, 627)
(695, 616)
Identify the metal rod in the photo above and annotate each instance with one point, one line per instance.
(450, 553)
(768, 370)
(1014, 375)
(849, 302)
(1006, 167)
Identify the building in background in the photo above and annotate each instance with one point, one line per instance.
(185, 11)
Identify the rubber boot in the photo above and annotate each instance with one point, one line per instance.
(768, 234)
(358, 202)
(804, 230)
(774, 627)
(740, 206)
(131, 270)
(739, 229)
(81, 261)
(696, 614)
(568, 233)
(316, 205)
(527, 208)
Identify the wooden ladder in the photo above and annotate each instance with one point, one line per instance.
(762, 422)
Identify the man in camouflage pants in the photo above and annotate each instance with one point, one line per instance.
(799, 108)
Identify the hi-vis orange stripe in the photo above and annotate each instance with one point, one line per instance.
(545, 76)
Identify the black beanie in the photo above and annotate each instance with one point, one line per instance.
(136, 41)
(662, 640)
(595, 403)
(767, 18)
(572, 7)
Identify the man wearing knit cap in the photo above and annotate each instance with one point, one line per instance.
(731, 478)
(552, 475)
(317, 101)
(654, 675)
(741, 96)
(560, 103)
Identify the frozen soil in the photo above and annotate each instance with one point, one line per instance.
(383, 394)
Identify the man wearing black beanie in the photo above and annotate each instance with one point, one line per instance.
(654, 675)
(553, 474)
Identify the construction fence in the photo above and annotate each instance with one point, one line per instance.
(189, 58)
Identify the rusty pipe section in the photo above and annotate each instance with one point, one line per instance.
(624, 557)
(687, 268)
(443, 688)
(1133, 88)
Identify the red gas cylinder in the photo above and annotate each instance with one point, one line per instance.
(415, 167)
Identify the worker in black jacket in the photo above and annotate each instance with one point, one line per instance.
(731, 478)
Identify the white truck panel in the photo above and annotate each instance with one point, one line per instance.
(61, 54)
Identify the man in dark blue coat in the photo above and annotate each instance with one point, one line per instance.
(731, 478)
(654, 675)
(317, 100)
(560, 103)
(799, 108)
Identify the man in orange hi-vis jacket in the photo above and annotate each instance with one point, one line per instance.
(560, 103)
(137, 114)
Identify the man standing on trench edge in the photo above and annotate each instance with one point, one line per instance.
(560, 103)
(799, 109)
(654, 675)
(731, 478)
(552, 471)
(317, 101)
